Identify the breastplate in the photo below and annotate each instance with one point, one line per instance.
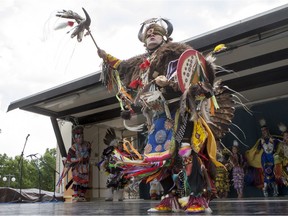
(268, 147)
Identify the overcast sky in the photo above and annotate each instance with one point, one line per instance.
(34, 57)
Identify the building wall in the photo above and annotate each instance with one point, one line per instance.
(65, 129)
(95, 135)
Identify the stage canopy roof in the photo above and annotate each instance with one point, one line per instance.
(257, 53)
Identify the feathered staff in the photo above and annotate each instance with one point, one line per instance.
(83, 24)
(107, 76)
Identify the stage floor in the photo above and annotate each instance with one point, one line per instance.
(257, 206)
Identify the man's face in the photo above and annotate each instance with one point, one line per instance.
(153, 40)
(234, 149)
(265, 132)
(78, 138)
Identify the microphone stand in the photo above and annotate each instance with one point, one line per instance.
(54, 199)
(21, 170)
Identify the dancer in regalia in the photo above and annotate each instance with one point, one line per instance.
(236, 160)
(78, 159)
(115, 181)
(283, 153)
(181, 146)
(186, 110)
(262, 155)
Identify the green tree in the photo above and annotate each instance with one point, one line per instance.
(47, 166)
(8, 169)
(31, 174)
(36, 173)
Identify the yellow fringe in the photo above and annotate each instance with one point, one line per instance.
(211, 144)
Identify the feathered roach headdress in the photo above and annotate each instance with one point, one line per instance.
(110, 138)
(235, 143)
(78, 129)
(262, 123)
(264, 127)
(283, 128)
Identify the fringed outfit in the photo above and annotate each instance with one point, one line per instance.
(181, 146)
(282, 151)
(262, 156)
(237, 162)
(78, 158)
(115, 176)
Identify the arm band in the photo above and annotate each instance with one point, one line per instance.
(112, 61)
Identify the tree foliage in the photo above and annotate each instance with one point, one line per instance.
(37, 172)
